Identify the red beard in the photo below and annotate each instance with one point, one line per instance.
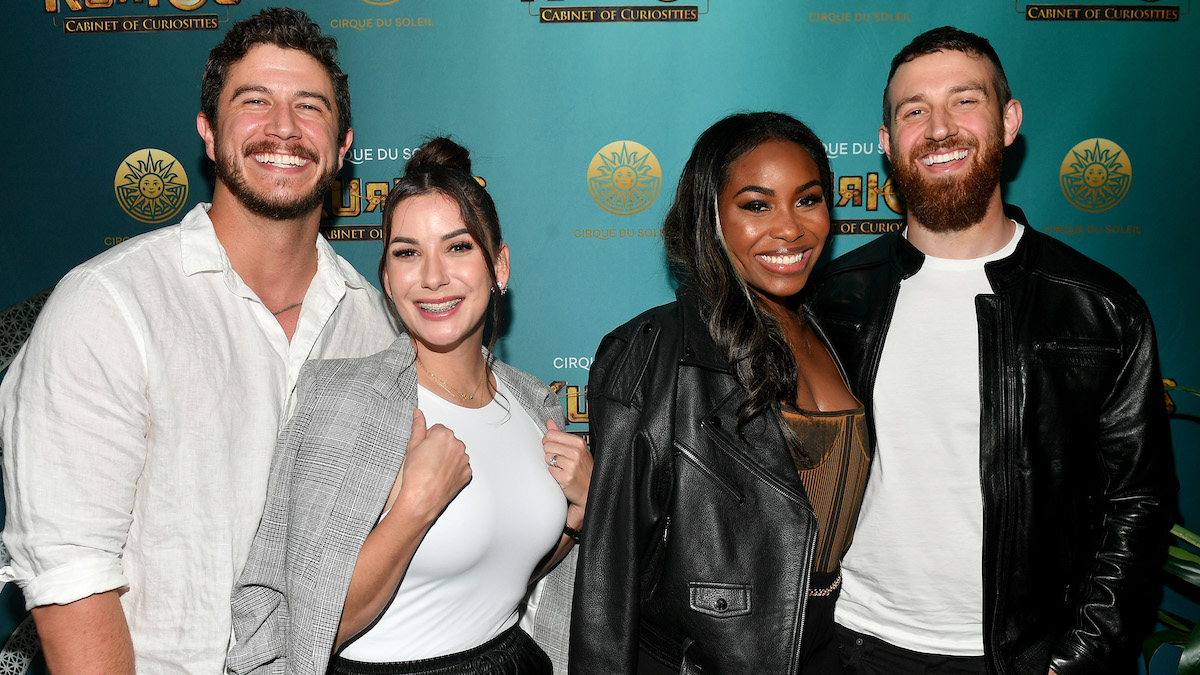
(950, 203)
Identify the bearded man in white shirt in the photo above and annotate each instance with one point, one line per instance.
(139, 419)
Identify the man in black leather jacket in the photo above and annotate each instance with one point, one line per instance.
(1023, 479)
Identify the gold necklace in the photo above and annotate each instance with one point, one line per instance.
(452, 390)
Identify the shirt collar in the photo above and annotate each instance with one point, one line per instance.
(203, 252)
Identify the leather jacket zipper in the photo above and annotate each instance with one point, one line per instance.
(806, 584)
(1076, 348)
(721, 483)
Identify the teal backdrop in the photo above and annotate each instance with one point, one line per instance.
(101, 142)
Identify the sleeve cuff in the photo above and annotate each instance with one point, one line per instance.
(66, 583)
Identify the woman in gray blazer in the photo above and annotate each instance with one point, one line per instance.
(384, 546)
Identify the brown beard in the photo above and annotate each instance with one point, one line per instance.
(950, 204)
(230, 173)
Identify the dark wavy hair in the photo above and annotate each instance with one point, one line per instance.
(948, 38)
(747, 335)
(283, 27)
(441, 166)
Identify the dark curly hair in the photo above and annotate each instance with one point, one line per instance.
(283, 27)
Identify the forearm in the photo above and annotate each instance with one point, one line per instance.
(565, 542)
(86, 636)
(380, 567)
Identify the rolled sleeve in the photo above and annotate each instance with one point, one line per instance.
(74, 431)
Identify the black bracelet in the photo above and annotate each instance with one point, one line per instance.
(571, 532)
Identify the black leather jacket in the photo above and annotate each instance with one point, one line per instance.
(697, 545)
(1075, 455)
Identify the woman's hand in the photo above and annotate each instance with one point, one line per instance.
(571, 465)
(435, 469)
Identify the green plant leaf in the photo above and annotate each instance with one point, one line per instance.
(1186, 535)
(1175, 387)
(1183, 564)
(1154, 643)
(1176, 622)
(1189, 661)
(1182, 555)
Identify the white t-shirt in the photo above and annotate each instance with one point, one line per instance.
(914, 574)
(473, 568)
(138, 424)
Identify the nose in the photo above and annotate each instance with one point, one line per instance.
(790, 227)
(433, 272)
(282, 123)
(941, 125)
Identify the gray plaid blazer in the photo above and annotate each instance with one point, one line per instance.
(333, 468)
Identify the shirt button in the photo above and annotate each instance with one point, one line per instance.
(721, 604)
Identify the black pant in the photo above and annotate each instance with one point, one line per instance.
(512, 652)
(867, 655)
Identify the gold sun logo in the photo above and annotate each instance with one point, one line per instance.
(624, 178)
(151, 186)
(1095, 175)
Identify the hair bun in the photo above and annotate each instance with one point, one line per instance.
(439, 153)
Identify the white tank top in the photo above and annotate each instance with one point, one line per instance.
(473, 568)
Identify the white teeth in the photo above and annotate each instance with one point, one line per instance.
(783, 259)
(276, 159)
(438, 307)
(943, 158)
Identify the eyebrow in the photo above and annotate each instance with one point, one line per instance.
(445, 237)
(755, 188)
(771, 193)
(956, 89)
(258, 88)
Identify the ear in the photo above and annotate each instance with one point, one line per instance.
(502, 269)
(1012, 121)
(204, 128)
(344, 146)
(387, 285)
(885, 141)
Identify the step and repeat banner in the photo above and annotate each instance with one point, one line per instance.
(581, 113)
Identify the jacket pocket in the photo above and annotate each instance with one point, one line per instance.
(719, 600)
(1076, 352)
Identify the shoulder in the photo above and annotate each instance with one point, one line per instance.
(849, 284)
(128, 265)
(1056, 261)
(373, 375)
(626, 352)
(101, 304)
(663, 317)
(877, 252)
(533, 394)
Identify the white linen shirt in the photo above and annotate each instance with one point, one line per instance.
(138, 424)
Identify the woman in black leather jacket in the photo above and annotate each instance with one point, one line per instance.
(729, 451)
